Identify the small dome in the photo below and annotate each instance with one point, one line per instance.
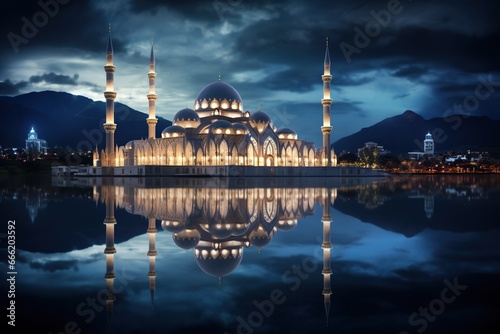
(221, 127)
(260, 117)
(286, 133)
(240, 129)
(187, 238)
(260, 120)
(173, 131)
(187, 118)
(130, 145)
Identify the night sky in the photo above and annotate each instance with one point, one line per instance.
(436, 59)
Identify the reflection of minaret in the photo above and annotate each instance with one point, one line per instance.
(110, 250)
(326, 245)
(152, 256)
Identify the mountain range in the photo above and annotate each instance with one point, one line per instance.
(406, 132)
(75, 122)
(68, 121)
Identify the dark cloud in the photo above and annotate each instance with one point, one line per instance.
(348, 108)
(442, 47)
(410, 72)
(7, 87)
(53, 266)
(53, 78)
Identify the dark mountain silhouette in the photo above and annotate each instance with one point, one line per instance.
(406, 132)
(67, 120)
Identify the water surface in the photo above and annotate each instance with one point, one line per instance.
(408, 255)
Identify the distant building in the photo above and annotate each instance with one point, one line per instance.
(428, 148)
(34, 146)
(373, 146)
(428, 144)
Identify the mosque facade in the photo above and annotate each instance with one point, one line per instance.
(218, 131)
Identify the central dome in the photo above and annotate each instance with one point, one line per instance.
(219, 96)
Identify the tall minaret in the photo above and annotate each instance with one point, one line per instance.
(151, 120)
(152, 256)
(110, 96)
(110, 250)
(326, 245)
(327, 103)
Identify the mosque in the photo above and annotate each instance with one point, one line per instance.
(217, 137)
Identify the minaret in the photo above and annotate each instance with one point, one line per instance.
(152, 256)
(151, 120)
(110, 250)
(110, 96)
(326, 245)
(326, 129)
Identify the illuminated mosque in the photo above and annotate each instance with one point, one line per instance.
(216, 132)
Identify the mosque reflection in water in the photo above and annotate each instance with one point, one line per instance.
(216, 223)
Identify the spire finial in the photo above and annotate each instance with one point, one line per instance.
(110, 43)
(327, 53)
(219, 76)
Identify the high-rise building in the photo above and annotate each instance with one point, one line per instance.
(428, 144)
(34, 146)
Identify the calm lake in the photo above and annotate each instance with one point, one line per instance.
(417, 254)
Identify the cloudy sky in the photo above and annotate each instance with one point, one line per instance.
(387, 56)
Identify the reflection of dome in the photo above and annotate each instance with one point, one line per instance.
(173, 226)
(173, 131)
(186, 239)
(286, 133)
(219, 95)
(187, 118)
(259, 237)
(286, 224)
(223, 230)
(218, 262)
